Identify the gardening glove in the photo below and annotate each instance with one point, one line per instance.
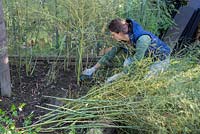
(114, 77)
(89, 71)
(128, 61)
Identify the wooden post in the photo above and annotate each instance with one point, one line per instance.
(4, 66)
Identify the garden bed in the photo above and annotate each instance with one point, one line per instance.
(32, 89)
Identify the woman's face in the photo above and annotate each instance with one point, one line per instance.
(117, 36)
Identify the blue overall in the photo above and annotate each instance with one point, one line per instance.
(158, 49)
(146, 44)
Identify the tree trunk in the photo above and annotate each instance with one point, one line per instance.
(4, 66)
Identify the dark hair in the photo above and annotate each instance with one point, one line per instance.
(117, 26)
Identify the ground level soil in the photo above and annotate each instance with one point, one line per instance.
(44, 81)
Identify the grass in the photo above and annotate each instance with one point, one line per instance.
(168, 103)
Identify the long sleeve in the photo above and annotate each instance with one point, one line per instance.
(142, 45)
(109, 56)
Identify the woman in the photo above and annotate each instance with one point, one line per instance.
(145, 43)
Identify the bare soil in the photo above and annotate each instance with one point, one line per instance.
(31, 89)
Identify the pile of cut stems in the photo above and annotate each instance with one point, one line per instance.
(168, 103)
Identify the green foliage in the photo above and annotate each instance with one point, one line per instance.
(190, 50)
(8, 121)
